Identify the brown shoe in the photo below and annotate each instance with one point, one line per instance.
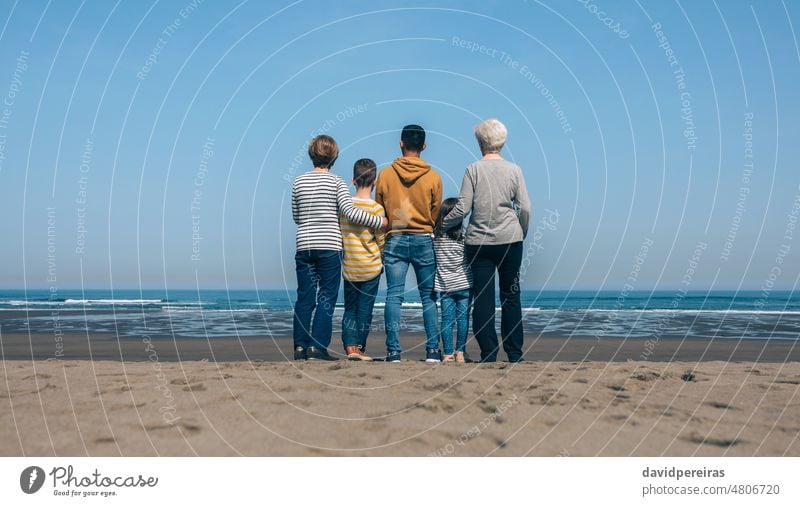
(355, 353)
(460, 357)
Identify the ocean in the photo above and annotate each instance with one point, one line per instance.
(227, 314)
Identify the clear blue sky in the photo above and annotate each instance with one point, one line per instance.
(629, 143)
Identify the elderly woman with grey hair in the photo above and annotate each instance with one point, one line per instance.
(494, 195)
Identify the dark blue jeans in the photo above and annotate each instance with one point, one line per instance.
(416, 250)
(359, 300)
(455, 313)
(319, 272)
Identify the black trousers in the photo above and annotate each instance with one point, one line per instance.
(505, 259)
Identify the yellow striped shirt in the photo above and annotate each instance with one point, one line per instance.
(363, 246)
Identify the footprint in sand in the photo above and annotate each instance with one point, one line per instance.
(499, 442)
(182, 381)
(720, 405)
(696, 438)
(619, 398)
(121, 407)
(547, 398)
(624, 419)
(38, 375)
(48, 386)
(182, 425)
(646, 376)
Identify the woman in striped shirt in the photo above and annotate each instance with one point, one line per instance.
(453, 281)
(318, 198)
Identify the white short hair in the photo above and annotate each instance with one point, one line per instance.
(491, 135)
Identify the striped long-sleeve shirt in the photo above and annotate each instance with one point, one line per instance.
(317, 200)
(452, 269)
(363, 246)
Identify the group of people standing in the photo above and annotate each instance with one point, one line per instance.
(407, 225)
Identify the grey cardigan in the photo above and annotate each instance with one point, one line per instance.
(494, 194)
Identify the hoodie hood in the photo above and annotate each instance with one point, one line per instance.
(409, 169)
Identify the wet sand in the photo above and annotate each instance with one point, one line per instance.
(547, 348)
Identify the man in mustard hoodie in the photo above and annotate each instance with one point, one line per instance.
(411, 193)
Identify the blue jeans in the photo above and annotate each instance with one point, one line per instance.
(319, 272)
(455, 312)
(359, 299)
(400, 251)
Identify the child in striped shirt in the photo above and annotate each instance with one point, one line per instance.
(318, 198)
(362, 264)
(452, 281)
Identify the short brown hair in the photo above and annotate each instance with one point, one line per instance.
(323, 151)
(364, 172)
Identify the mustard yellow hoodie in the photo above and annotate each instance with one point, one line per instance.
(411, 193)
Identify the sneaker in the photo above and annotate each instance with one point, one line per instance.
(314, 353)
(393, 356)
(432, 356)
(300, 353)
(355, 353)
(448, 358)
(460, 357)
(516, 360)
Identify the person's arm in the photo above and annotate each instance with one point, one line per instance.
(347, 209)
(379, 198)
(295, 205)
(464, 206)
(379, 193)
(380, 236)
(436, 195)
(523, 203)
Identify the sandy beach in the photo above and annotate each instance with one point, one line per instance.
(555, 404)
